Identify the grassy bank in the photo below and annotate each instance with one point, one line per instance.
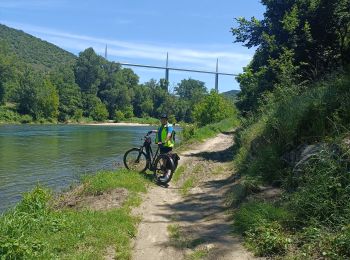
(36, 228)
(311, 219)
(192, 134)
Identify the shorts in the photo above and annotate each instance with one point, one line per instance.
(165, 150)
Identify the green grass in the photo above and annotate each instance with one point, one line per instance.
(178, 173)
(197, 254)
(106, 180)
(187, 186)
(180, 240)
(191, 134)
(255, 213)
(35, 230)
(312, 218)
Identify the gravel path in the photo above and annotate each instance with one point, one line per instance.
(199, 218)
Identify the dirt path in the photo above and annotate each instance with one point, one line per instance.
(194, 226)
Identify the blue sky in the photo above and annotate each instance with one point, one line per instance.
(194, 33)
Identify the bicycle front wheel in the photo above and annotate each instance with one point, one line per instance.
(135, 160)
(163, 168)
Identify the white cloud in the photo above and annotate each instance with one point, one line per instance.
(203, 58)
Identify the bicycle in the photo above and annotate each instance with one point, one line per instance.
(142, 158)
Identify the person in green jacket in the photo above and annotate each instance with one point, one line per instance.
(165, 139)
(165, 135)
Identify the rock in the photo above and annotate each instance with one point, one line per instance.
(300, 156)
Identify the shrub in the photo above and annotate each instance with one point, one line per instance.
(99, 112)
(8, 115)
(26, 119)
(188, 131)
(119, 116)
(128, 112)
(78, 114)
(212, 109)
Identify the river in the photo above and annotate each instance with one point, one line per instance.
(55, 156)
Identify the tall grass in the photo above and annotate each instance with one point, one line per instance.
(191, 133)
(34, 230)
(317, 196)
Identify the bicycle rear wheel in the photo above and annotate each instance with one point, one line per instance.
(163, 168)
(135, 160)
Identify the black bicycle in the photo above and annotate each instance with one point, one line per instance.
(142, 158)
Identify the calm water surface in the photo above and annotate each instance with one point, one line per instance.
(56, 155)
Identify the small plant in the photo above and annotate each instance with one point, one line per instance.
(187, 186)
(178, 173)
(197, 254)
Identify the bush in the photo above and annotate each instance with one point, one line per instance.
(119, 116)
(78, 114)
(212, 109)
(99, 112)
(188, 131)
(8, 115)
(26, 119)
(128, 112)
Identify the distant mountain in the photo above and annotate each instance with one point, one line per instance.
(232, 94)
(40, 54)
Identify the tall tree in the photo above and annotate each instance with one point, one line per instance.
(69, 92)
(89, 71)
(298, 40)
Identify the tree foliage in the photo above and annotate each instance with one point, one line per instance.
(84, 86)
(297, 41)
(39, 55)
(212, 109)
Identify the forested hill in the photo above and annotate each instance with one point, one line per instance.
(40, 54)
(231, 94)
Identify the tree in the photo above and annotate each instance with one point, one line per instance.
(190, 89)
(213, 108)
(6, 69)
(88, 71)
(69, 92)
(99, 112)
(26, 94)
(48, 100)
(191, 92)
(301, 40)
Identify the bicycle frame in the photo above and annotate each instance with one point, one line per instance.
(149, 153)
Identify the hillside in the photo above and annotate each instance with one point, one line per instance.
(40, 54)
(231, 94)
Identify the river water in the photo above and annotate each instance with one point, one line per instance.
(57, 155)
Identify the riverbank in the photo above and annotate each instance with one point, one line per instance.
(116, 124)
(92, 221)
(86, 223)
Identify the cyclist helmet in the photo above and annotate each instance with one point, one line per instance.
(164, 116)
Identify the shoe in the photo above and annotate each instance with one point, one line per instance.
(165, 177)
